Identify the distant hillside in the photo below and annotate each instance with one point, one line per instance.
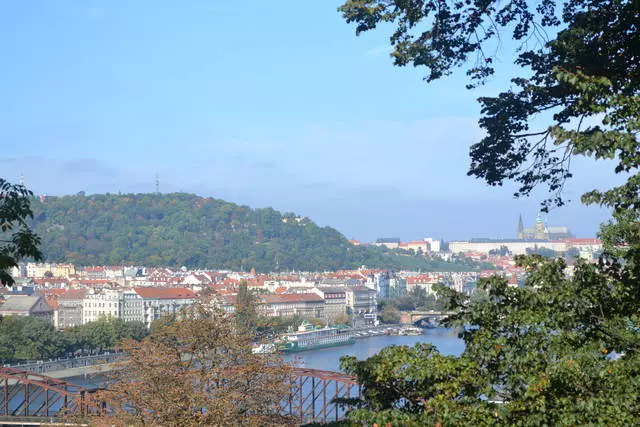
(184, 229)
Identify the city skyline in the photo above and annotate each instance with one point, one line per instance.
(373, 234)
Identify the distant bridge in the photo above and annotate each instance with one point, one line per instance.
(419, 317)
(29, 399)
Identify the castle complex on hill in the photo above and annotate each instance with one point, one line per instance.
(541, 232)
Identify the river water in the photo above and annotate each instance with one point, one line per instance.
(328, 359)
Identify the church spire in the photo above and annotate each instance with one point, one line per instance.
(520, 228)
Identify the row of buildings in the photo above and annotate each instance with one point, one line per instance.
(158, 292)
(584, 248)
(540, 236)
(67, 308)
(69, 295)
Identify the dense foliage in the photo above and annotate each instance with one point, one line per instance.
(183, 229)
(196, 371)
(25, 338)
(417, 299)
(563, 349)
(558, 351)
(17, 240)
(580, 80)
(456, 263)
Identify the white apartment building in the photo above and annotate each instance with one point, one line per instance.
(516, 247)
(434, 244)
(131, 306)
(158, 302)
(105, 303)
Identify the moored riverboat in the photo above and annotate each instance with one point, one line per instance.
(309, 338)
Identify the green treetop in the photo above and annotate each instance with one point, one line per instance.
(580, 80)
(17, 241)
(563, 349)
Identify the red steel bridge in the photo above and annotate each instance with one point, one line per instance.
(33, 399)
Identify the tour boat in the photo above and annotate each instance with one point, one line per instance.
(309, 338)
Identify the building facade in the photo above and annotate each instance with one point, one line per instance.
(25, 305)
(287, 305)
(515, 247)
(362, 300)
(540, 231)
(335, 301)
(70, 309)
(397, 287)
(95, 305)
(160, 302)
(131, 306)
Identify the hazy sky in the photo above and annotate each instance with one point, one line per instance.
(260, 103)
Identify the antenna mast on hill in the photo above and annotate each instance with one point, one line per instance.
(21, 179)
(157, 184)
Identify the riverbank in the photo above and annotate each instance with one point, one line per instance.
(86, 371)
(446, 340)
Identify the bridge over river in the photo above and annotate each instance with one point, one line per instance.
(424, 318)
(30, 399)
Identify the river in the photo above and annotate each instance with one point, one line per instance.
(328, 359)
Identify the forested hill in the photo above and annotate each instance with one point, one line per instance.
(184, 229)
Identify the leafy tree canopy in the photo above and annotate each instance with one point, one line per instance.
(184, 229)
(580, 80)
(194, 371)
(558, 351)
(17, 240)
(30, 338)
(563, 348)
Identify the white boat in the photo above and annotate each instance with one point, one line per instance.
(264, 349)
(309, 338)
(410, 331)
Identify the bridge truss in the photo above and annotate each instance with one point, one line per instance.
(313, 392)
(28, 395)
(33, 397)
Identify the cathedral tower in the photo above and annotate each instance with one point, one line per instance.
(520, 228)
(541, 229)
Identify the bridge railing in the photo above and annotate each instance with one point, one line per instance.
(313, 394)
(45, 366)
(28, 395)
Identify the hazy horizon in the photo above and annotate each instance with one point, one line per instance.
(255, 104)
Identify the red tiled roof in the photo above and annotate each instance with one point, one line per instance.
(255, 283)
(92, 281)
(283, 298)
(582, 241)
(51, 280)
(73, 294)
(228, 299)
(52, 292)
(165, 293)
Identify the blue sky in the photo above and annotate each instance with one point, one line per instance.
(260, 103)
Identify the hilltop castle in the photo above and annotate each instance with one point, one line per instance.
(541, 232)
